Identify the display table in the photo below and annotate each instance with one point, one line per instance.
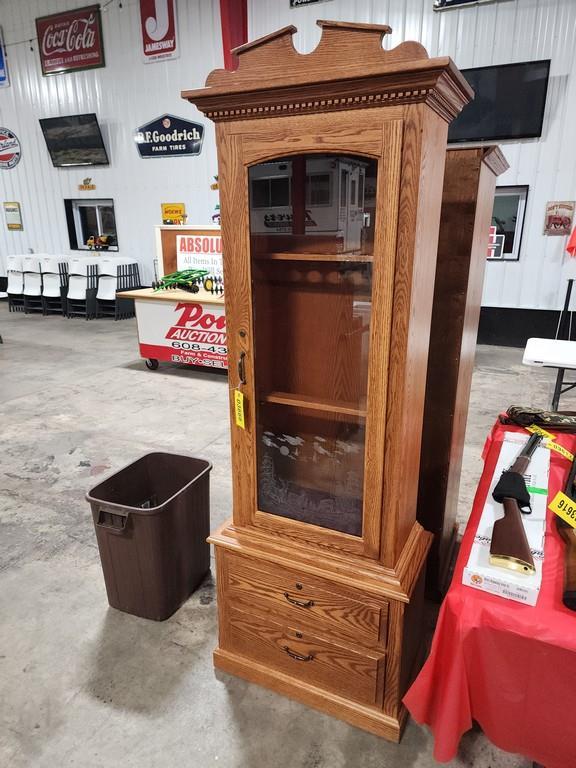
(507, 666)
(176, 326)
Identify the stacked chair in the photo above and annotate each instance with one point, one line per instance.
(32, 283)
(116, 274)
(54, 284)
(15, 286)
(74, 286)
(82, 287)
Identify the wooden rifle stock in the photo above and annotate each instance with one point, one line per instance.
(509, 547)
(568, 536)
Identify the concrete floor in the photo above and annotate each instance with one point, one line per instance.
(84, 685)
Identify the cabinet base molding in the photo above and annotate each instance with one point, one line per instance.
(366, 718)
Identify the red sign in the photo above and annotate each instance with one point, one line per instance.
(183, 332)
(70, 41)
(158, 22)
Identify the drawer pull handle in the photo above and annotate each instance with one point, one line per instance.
(299, 603)
(297, 656)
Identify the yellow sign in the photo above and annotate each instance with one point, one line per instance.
(86, 185)
(549, 442)
(239, 408)
(13, 216)
(564, 507)
(173, 213)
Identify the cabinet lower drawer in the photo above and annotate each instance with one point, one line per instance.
(300, 654)
(287, 595)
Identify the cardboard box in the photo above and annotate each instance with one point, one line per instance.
(479, 573)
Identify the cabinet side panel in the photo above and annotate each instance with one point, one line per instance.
(482, 222)
(423, 160)
(461, 178)
(238, 298)
(383, 308)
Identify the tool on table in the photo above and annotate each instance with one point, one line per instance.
(509, 547)
(185, 280)
(568, 536)
(560, 421)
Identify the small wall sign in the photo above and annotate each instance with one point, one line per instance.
(70, 41)
(13, 216)
(495, 245)
(4, 81)
(87, 185)
(300, 3)
(10, 150)
(169, 136)
(159, 34)
(559, 218)
(173, 213)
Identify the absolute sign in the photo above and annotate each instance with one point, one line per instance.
(70, 41)
(159, 34)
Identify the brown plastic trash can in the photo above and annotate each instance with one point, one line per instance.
(152, 519)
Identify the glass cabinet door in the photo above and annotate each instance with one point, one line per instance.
(311, 238)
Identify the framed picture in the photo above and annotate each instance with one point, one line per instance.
(507, 223)
(559, 218)
(70, 41)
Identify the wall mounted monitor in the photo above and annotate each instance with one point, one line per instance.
(509, 103)
(74, 140)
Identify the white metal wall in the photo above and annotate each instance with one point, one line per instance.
(499, 33)
(124, 94)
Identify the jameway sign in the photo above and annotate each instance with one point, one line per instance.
(169, 136)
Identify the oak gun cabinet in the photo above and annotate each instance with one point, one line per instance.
(330, 172)
(467, 202)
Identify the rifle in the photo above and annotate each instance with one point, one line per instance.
(568, 536)
(509, 547)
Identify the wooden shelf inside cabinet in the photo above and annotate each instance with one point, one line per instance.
(314, 404)
(354, 258)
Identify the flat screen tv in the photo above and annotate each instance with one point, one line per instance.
(74, 140)
(509, 103)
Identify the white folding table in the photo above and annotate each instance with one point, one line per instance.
(552, 353)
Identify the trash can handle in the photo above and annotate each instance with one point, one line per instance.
(112, 528)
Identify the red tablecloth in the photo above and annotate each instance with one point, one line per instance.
(510, 667)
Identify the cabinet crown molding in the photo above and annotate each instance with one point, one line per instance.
(349, 69)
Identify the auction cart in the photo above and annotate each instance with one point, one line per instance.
(180, 327)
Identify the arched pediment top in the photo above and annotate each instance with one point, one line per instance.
(349, 61)
(343, 49)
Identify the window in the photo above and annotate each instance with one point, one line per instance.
(361, 191)
(507, 223)
(91, 221)
(343, 189)
(271, 193)
(318, 189)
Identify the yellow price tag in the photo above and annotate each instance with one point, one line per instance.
(539, 431)
(239, 408)
(549, 442)
(564, 507)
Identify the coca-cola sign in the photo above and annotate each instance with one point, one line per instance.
(70, 41)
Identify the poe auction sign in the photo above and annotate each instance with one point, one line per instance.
(186, 332)
(70, 41)
(158, 24)
(169, 136)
